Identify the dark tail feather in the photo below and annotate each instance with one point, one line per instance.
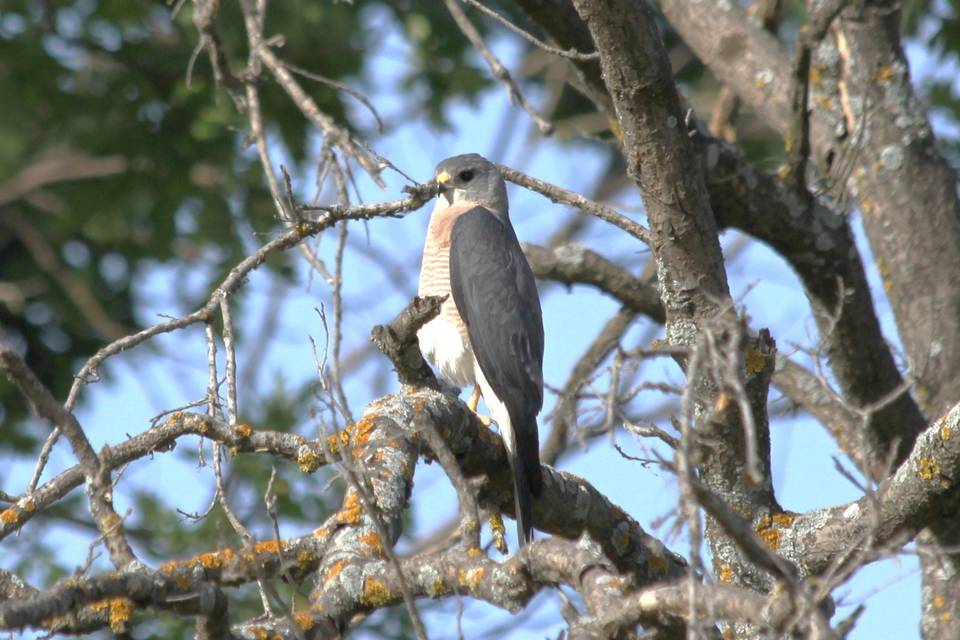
(527, 483)
(522, 502)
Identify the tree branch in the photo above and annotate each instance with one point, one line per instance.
(96, 474)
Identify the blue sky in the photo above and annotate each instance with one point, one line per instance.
(383, 256)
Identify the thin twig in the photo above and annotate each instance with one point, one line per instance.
(469, 513)
(335, 373)
(571, 54)
(573, 199)
(341, 137)
(231, 361)
(496, 67)
(340, 86)
(238, 274)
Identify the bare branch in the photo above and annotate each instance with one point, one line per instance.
(496, 67)
(560, 195)
(572, 54)
(307, 228)
(97, 475)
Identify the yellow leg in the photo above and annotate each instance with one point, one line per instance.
(474, 399)
(472, 405)
(497, 529)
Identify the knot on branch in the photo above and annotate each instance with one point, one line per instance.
(398, 341)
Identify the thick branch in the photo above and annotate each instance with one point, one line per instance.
(905, 188)
(346, 549)
(575, 264)
(904, 503)
(398, 341)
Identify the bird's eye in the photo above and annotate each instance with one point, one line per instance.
(466, 175)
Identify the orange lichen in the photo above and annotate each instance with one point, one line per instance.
(928, 468)
(243, 430)
(9, 516)
(175, 418)
(337, 440)
(726, 573)
(352, 509)
(816, 76)
(307, 559)
(885, 74)
(437, 588)
(304, 620)
(121, 610)
(372, 540)
(177, 571)
(769, 528)
(322, 532)
(215, 560)
(269, 546)
(334, 570)
(474, 552)
(303, 229)
(946, 616)
(375, 593)
(784, 519)
(825, 102)
(755, 360)
(938, 602)
(362, 431)
(771, 537)
(309, 461)
(945, 432)
(470, 578)
(169, 567)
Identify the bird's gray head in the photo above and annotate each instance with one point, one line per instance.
(472, 178)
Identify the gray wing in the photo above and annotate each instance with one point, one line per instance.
(496, 295)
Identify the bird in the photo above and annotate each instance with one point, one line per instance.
(489, 332)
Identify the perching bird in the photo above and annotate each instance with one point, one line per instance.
(490, 330)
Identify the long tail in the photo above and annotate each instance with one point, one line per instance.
(524, 458)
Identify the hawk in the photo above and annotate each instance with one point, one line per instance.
(489, 332)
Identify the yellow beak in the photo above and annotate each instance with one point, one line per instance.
(443, 177)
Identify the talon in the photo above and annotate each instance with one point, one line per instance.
(498, 531)
(474, 399)
(472, 405)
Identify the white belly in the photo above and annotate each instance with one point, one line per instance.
(450, 353)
